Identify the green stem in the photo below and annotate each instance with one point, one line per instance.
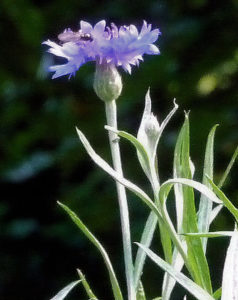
(111, 115)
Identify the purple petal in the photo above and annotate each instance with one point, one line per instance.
(85, 27)
(100, 27)
(152, 49)
(61, 70)
(123, 47)
(134, 31)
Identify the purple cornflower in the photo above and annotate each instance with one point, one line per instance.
(121, 47)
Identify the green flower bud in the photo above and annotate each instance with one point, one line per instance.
(107, 82)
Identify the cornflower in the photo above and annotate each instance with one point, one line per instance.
(121, 47)
(110, 47)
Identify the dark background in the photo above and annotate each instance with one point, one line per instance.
(42, 160)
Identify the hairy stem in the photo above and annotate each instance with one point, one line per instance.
(111, 115)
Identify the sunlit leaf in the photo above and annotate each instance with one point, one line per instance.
(228, 169)
(186, 213)
(97, 244)
(168, 281)
(146, 239)
(64, 292)
(227, 203)
(138, 145)
(115, 175)
(140, 293)
(217, 294)
(183, 280)
(205, 205)
(217, 209)
(230, 271)
(210, 234)
(86, 286)
(178, 172)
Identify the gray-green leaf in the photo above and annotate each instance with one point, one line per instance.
(115, 285)
(205, 205)
(187, 283)
(230, 272)
(86, 286)
(64, 292)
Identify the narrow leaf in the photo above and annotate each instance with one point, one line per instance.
(228, 169)
(205, 205)
(187, 283)
(64, 292)
(198, 267)
(168, 281)
(230, 279)
(146, 241)
(179, 171)
(217, 294)
(227, 203)
(140, 293)
(186, 213)
(169, 116)
(135, 189)
(115, 175)
(196, 258)
(163, 194)
(86, 286)
(115, 286)
(138, 145)
(210, 234)
(217, 209)
(167, 185)
(166, 242)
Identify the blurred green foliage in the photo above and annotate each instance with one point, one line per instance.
(42, 160)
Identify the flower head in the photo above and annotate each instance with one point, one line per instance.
(122, 46)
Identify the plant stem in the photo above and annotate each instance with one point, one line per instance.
(111, 115)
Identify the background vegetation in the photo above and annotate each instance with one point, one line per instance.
(42, 160)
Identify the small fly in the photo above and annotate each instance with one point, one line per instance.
(72, 36)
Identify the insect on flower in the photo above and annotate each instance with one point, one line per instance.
(122, 46)
(74, 36)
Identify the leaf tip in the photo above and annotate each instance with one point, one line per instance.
(186, 113)
(78, 131)
(138, 244)
(80, 273)
(175, 104)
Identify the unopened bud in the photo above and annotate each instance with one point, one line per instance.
(107, 82)
(152, 127)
